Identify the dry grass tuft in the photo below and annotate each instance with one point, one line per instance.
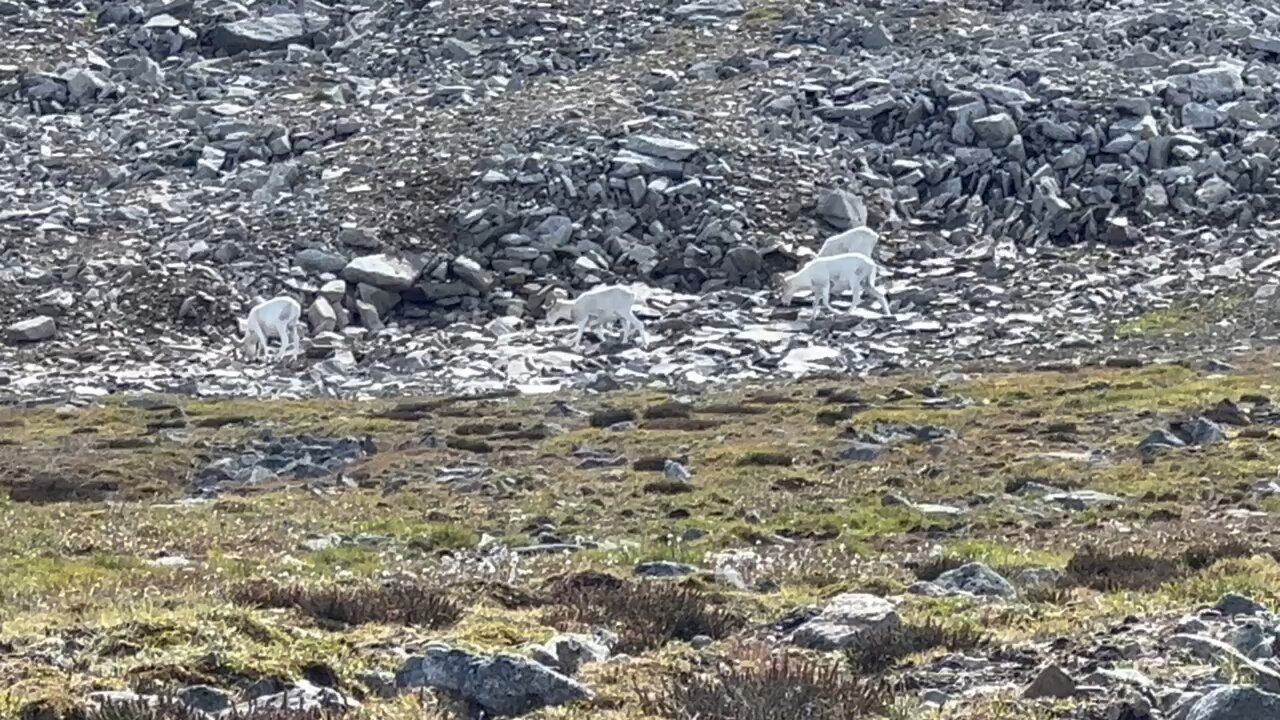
(358, 604)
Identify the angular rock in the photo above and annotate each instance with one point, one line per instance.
(842, 209)
(269, 32)
(661, 147)
(1051, 682)
(384, 271)
(975, 579)
(995, 130)
(1232, 604)
(316, 261)
(567, 653)
(31, 330)
(1233, 702)
(502, 685)
(321, 316)
(846, 619)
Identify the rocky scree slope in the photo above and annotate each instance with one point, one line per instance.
(401, 164)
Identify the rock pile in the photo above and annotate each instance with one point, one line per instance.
(396, 169)
(272, 460)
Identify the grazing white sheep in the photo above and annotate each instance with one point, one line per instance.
(278, 317)
(852, 271)
(598, 306)
(861, 240)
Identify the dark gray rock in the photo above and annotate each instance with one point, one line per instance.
(204, 698)
(1232, 604)
(842, 209)
(975, 579)
(662, 569)
(270, 32)
(1234, 702)
(316, 261)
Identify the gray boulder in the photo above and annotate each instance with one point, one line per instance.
(304, 696)
(502, 685)
(842, 209)
(271, 32)
(384, 271)
(995, 130)
(316, 261)
(32, 330)
(846, 619)
(568, 652)
(1234, 702)
(204, 698)
(1231, 604)
(975, 579)
(666, 148)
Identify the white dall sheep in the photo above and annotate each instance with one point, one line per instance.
(279, 317)
(598, 306)
(861, 240)
(852, 271)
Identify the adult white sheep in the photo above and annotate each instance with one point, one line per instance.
(852, 271)
(279, 317)
(861, 240)
(598, 306)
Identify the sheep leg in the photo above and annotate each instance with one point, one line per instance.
(855, 297)
(286, 339)
(260, 342)
(280, 334)
(826, 296)
(634, 321)
(880, 298)
(582, 326)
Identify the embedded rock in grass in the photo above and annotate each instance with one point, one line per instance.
(502, 685)
(663, 569)
(568, 652)
(302, 696)
(846, 619)
(1234, 702)
(204, 698)
(1199, 430)
(1082, 499)
(1231, 604)
(975, 579)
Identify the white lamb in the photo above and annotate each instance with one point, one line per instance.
(598, 306)
(861, 240)
(852, 271)
(278, 317)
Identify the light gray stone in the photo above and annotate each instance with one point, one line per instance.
(31, 330)
(497, 684)
(382, 270)
(268, 32)
(846, 619)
